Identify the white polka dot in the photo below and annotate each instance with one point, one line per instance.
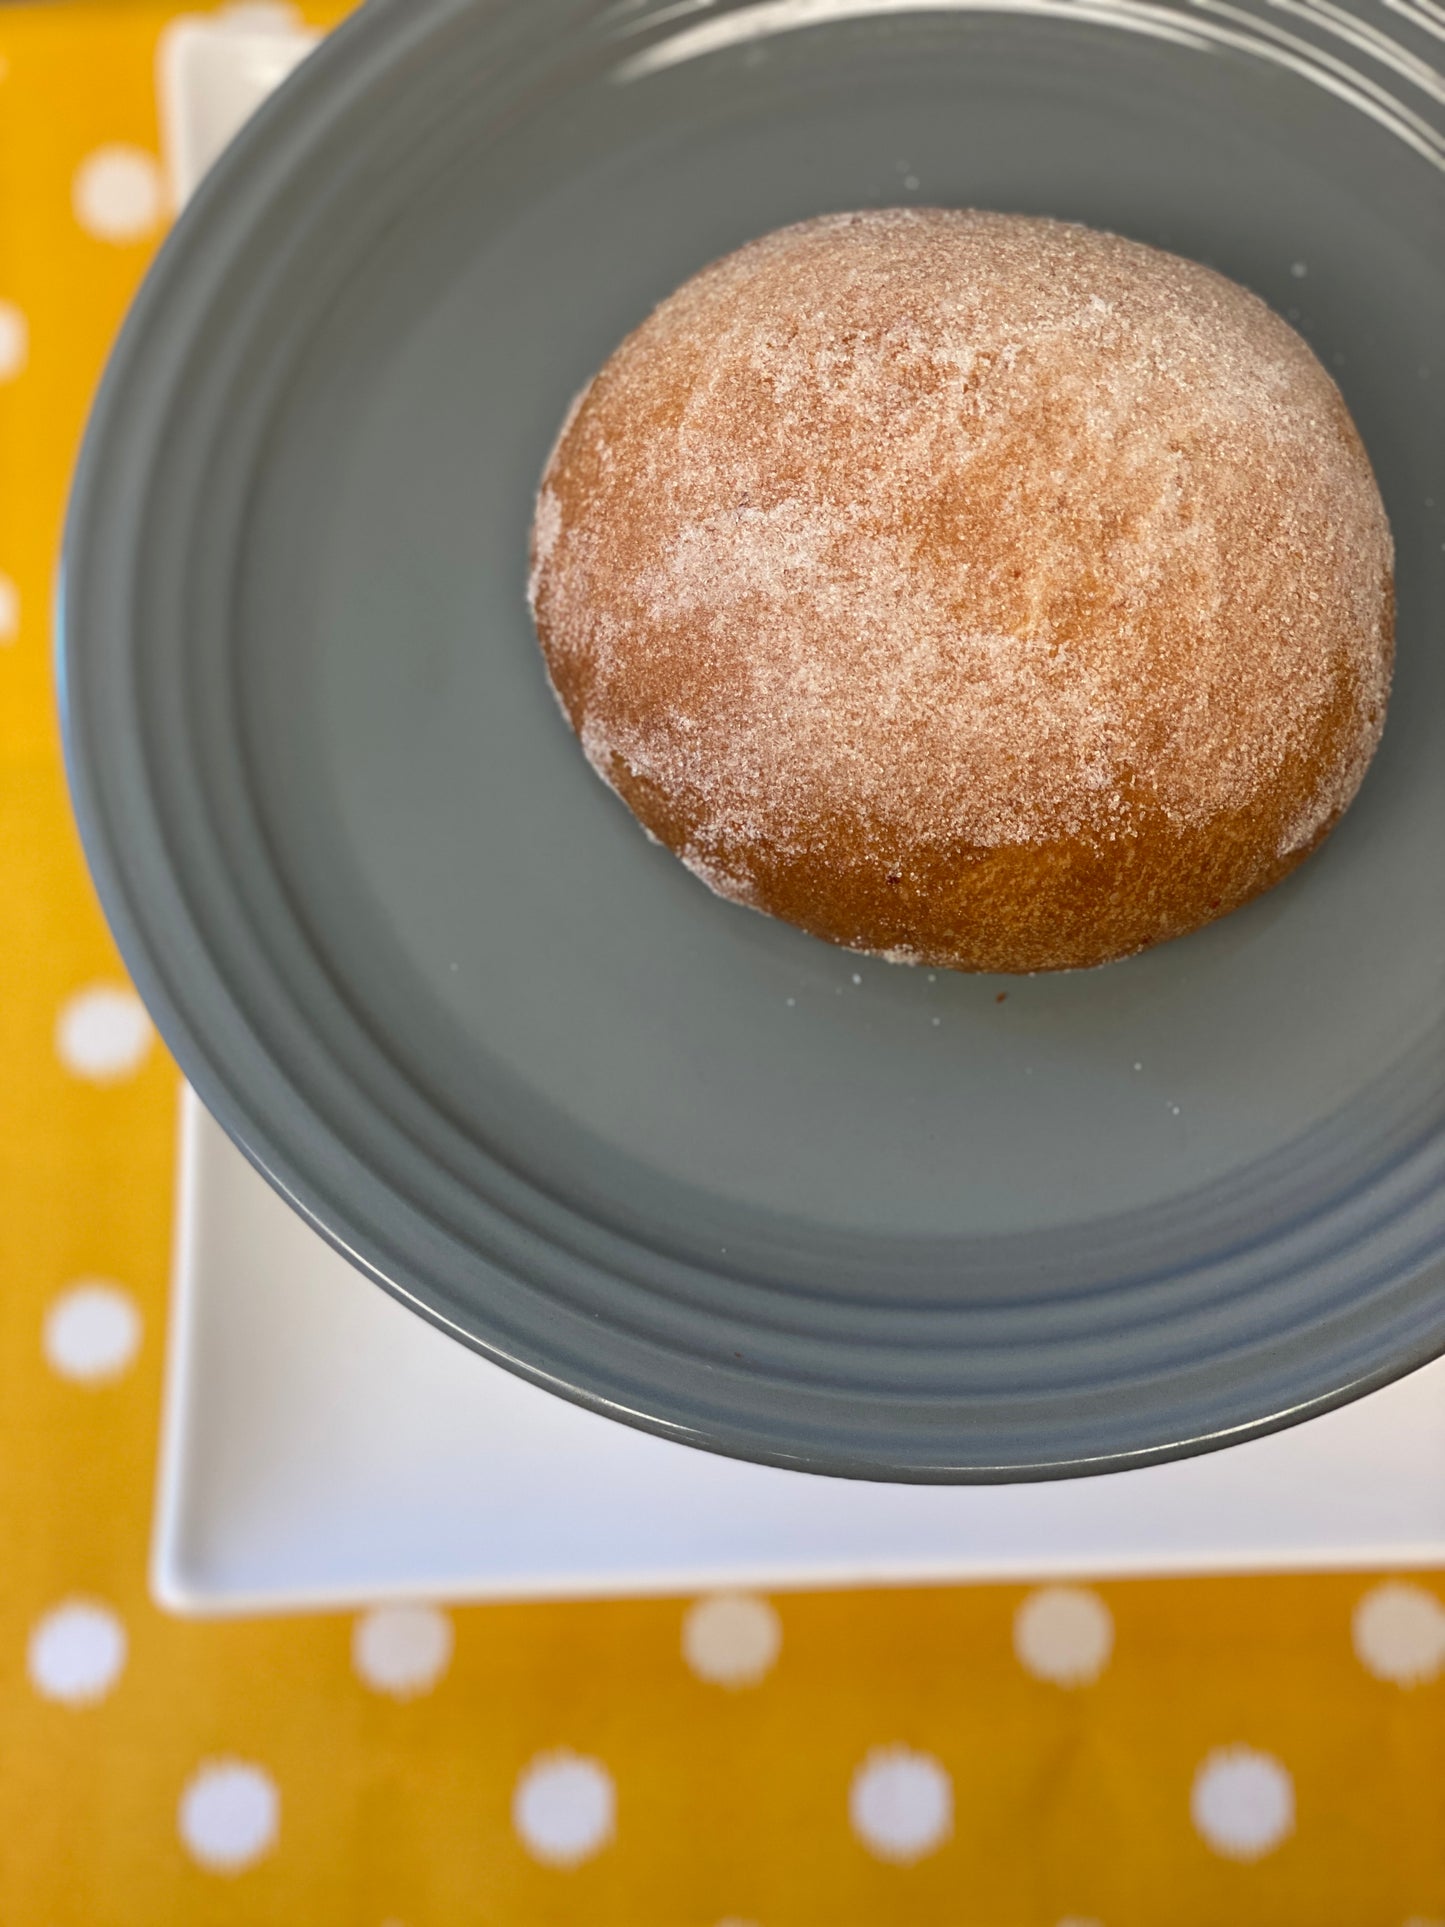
(14, 341)
(229, 1816)
(1399, 1632)
(76, 1653)
(273, 16)
(103, 1033)
(901, 1804)
(402, 1650)
(117, 193)
(1064, 1634)
(9, 610)
(564, 1808)
(91, 1332)
(1079, 1920)
(1242, 1802)
(731, 1639)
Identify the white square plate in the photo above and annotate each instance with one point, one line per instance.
(322, 1446)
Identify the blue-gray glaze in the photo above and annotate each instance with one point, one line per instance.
(648, 1149)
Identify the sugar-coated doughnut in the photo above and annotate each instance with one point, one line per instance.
(978, 590)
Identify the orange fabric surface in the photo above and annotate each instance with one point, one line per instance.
(990, 1755)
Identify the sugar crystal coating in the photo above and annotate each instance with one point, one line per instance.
(971, 588)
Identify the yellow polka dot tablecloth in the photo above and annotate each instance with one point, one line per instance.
(1198, 1753)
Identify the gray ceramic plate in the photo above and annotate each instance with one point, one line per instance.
(677, 1162)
